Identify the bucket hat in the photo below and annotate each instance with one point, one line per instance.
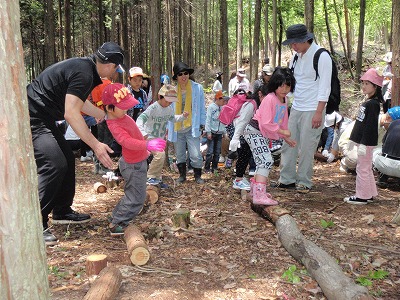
(373, 76)
(297, 33)
(180, 67)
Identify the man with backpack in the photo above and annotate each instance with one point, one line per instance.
(307, 113)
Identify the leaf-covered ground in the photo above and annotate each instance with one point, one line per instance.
(230, 252)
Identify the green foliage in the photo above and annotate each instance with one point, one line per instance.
(252, 276)
(372, 275)
(56, 272)
(290, 275)
(326, 224)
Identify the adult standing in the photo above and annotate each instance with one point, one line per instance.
(187, 134)
(307, 113)
(60, 92)
(239, 82)
(266, 74)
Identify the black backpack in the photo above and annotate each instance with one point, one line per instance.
(334, 96)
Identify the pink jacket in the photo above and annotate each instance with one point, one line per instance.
(272, 115)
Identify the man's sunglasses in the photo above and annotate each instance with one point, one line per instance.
(183, 73)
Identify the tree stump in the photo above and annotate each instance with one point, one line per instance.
(99, 187)
(95, 263)
(137, 247)
(152, 193)
(181, 218)
(106, 287)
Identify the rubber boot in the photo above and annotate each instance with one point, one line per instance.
(197, 176)
(260, 196)
(182, 172)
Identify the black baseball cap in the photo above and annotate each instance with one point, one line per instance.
(111, 52)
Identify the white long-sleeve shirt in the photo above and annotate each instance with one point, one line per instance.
(308, 91)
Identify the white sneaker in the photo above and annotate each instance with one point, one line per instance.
(89, 153)
(86, 158)
(241, 184)
(221, 159)
(252, 172)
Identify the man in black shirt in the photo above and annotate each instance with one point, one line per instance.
(58, 93)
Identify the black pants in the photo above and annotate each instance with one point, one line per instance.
(55, 168)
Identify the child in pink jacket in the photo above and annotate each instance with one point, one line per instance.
(270, 122)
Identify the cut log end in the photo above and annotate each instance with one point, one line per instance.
(137, 247)
(95, 263)
(99, 187)
(140, 256)
(152, 193)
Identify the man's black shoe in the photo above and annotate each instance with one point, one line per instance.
(49, 238)
(290, 186)
(72, 217)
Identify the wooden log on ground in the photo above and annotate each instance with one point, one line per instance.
(95, 263)
(181, 218)
(152, 193)
(319, 264)
(106, 287)
(111, 183)
(137, 246)
(99, 187)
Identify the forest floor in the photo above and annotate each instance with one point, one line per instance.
(229, 251)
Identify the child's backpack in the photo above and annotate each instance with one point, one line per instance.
(334, 96)
(231, 110)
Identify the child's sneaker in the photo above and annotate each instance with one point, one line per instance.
(153, 181)
(357, 201)
(116, 230)
(221, 159)
(241, 184)
(85, 158)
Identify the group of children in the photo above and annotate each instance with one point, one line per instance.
(267, 123)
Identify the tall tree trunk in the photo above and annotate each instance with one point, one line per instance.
(155, 12)
(23, 271)
(309, 14)
(266, 30)
(274, 31)
(360, 43)
(206, 42)
(67, 13)
(224, 40)
(250, 38)
(61, 30)
(328, 28)
(113, 21)
(348, 30)
(239, 36)
(124, 30)
(255, 61)
(396, 55)
(170, 54)
(50, 30)
(101, 22)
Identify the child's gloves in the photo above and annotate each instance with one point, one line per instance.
(362, 150)
(156, 145)
(233, 145)
(331, 157)
(325, 153)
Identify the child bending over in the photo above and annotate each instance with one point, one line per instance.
(270, 122)
(135, 150)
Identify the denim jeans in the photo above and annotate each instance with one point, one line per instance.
(185, 139)
(213, 151)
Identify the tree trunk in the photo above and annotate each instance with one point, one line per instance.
(266, 31)
(170, 40)
(106, 287)
(360, 43)
(396, 54)
(224, 40)
(348, 30)
(67, 14)
(137, 246)
(155, 12)
(250, 75)
(61, 30)
(274, 31)
(328, 29)
(239, 36)
(309, 14)
(256, 41)
(50, 29)
(23, 267)
(205, 43)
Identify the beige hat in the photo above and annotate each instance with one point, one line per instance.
(168, 91)
(135, 71)
(241, 72)
(267, 69)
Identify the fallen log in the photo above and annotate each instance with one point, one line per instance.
(137, 246)
(152, 193)
(106, 287)
(320, 265)
(95, 263)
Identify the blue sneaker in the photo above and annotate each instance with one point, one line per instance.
(153, 181)
(163, 185)
(241, 184)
